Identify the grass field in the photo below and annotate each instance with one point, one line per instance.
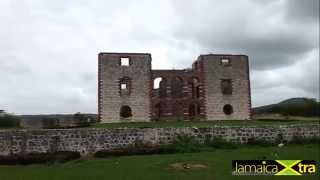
(161, 124)
(214, 165)
(258, 121)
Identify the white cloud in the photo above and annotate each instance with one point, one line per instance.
(298, 80)
(49, 48)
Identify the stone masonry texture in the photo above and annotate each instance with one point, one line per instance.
(110, 74)
(87, 141)
(237, 72)
(186, 94)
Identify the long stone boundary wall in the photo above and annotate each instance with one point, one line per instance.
(87, 141)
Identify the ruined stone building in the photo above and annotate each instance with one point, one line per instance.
(217, 87)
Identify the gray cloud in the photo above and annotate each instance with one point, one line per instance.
(49, 48)
(263, 32)
(303, 10)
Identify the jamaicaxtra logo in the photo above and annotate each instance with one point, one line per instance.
(274, 167)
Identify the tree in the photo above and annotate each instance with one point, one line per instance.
(8, 120)
(82, 119)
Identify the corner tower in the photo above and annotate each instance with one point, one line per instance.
(124, 87)
(226, 86)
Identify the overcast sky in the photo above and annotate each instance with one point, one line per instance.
(48, 48)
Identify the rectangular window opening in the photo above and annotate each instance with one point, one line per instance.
(226, 86)
(124, 61)
(123, 86)
(225, 61)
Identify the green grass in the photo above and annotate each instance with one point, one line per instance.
(162, 124)
(257, 122)
(281, 117)
(155, 167)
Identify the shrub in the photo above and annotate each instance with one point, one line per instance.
(301, 140)
(219, 143)
(37, 158)
(280, 139)
(137, 148)
(259, 142)
(184, 144)
(50, 123)
(82, 119)
(296, 140)
(181, 144)
(127, 152)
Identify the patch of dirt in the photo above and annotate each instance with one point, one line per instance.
(187, 166)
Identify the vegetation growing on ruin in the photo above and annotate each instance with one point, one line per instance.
(39, 158)
(199, 124)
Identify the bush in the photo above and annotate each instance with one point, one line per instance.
(219, 143)
(50, 123)
(37, 158)
(126, 152)
(181, 144)
(185, 144)
(83, 120)
(189, 144)
(301, 140)
(280, 139)
(136, 148)
(259, 142)
(7, 120)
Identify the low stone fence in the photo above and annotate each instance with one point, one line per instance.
(87, 141)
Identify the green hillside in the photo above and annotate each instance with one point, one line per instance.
(306, 107)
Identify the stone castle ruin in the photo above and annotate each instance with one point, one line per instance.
(217, 87)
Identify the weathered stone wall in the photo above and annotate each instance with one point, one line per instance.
(238, 73)
(110, 73)
(173, 108)
(204, 78)
(89, 141)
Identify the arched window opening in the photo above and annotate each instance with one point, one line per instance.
(160, 87)
(158, 111)
(177, 110)
(198, 110)
(194, 87)
(177, 87)
(125, 86)
(125, 112)
(227, 109)
(156, 82)
(194, 110)
(226, 86)
(163, 89)
(198, 91)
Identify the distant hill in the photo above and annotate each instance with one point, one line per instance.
(296, 101)
(294, 106)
